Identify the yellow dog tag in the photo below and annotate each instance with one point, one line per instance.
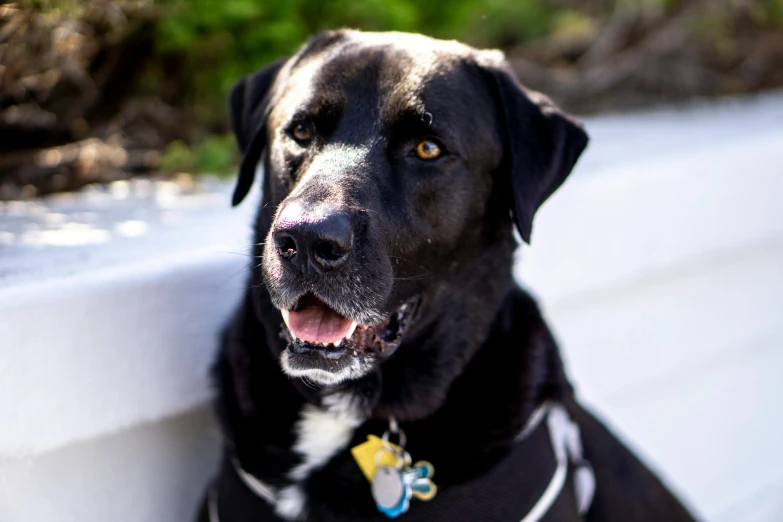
(364, 455)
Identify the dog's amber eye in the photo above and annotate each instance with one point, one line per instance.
(301, 132)
(427, 150)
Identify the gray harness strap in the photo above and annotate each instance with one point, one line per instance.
(567, 446)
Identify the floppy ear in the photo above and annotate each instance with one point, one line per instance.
(542, 145)
(249, 106)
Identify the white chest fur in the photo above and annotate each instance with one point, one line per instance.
(320, 434)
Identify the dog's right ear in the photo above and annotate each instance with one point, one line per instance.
(249, 105)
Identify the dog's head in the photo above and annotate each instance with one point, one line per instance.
(393, 165)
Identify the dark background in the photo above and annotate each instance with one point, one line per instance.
(94, 91)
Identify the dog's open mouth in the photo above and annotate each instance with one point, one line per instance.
(313, 324)
(326, 347)
(312, 321)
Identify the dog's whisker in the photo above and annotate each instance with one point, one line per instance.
(243, 270)
(236, 253)
(315, 385)
(411, 262)
(425, 275)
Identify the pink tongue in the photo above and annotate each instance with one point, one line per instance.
(317, 323)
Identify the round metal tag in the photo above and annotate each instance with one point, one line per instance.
(388, 488)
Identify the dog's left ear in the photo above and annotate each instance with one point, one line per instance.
(249, 104)
(542, 144)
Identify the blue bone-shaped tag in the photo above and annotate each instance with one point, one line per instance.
(392, 488)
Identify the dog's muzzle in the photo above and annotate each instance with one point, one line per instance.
(331, 281)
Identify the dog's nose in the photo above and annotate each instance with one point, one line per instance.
(322, 243)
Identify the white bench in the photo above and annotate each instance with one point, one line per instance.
(659, 265)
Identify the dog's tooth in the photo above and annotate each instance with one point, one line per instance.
(337, 343)
(351, 330)
(284, 313)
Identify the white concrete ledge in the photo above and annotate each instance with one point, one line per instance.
(659, 264)
(148, 473)
(98, 337)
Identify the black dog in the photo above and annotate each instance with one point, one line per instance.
(395, 168)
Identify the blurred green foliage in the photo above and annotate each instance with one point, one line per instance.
(221, 40)
(201, 47)
(209, 44)
(213, 154)
(769, 13)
